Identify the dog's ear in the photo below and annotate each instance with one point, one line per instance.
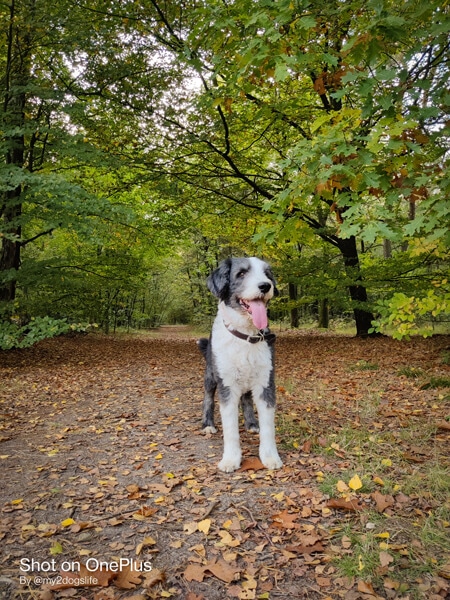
(219, 281)
(276, 291)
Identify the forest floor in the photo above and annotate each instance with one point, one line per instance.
(110, 490)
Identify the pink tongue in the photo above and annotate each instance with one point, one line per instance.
(259, 314)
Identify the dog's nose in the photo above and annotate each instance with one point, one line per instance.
(265, 287)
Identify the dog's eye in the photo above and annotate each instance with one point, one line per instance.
(241, 273)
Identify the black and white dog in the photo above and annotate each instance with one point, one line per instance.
(239, 358)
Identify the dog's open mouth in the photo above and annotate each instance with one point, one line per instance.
(257, 310)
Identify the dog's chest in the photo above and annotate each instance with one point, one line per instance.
(241, 364)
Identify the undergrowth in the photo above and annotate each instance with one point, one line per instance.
(407, 541)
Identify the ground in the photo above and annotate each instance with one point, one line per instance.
(106, 474)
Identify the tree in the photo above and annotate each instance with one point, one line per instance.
(308, 105)
(55, 76)
(285, 118)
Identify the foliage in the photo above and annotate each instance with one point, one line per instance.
(12, 335)
(292, 129)
(400, 313)
(356, 102)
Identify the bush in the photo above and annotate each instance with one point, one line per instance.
(12, 335)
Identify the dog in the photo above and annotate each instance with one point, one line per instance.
(240, 359)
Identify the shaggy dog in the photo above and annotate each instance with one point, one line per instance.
(239, 358)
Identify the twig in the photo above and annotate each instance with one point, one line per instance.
(255, 523)
(210, 508)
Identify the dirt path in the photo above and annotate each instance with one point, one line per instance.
(103, 464)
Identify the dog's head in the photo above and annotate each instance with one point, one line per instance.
(245, 284)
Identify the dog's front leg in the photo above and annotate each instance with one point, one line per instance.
(229, 412)
(268, 453)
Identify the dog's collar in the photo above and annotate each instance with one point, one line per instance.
(263, 335)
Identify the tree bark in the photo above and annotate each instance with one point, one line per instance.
(323, 313)
(17, 75)
(358, 293)
(293, 295)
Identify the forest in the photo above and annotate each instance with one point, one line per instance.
(143, 141)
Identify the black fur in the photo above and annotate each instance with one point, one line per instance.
(211, 382)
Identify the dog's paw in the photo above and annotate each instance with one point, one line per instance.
(252, 428)
(209, 429)
(272, 462)
(228, 466)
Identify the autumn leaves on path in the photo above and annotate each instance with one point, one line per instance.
(111, 491)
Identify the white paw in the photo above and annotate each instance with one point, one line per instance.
(209, 429)
(228, 466)
(272, 462)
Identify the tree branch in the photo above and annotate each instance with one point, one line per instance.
(36, 237)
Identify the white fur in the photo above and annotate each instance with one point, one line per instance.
(242, 367)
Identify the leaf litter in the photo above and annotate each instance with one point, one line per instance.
(105, 469)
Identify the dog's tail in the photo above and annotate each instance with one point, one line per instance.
(203, 344)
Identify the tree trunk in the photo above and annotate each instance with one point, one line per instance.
(358, 293)
(10, 248)
(17, 75)
(293, 295)
(387, 249)
(323, 313)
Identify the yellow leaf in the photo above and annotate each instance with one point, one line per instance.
(355, 483)
(319, 476)
(227, 539)
(386, 462)
(158, 456)
(227, 524)
(204, 526)
(378, 480)
(360, 563)
(147, 541)
(67, 522)
(279, 496)
(170, 475)
(18, 501)
(384, 535)
(159, 500)
(341, 486)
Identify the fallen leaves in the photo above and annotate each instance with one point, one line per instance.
(355, 483)
(382, 502)
(219, 568)
(348, 505)
(120, 469)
